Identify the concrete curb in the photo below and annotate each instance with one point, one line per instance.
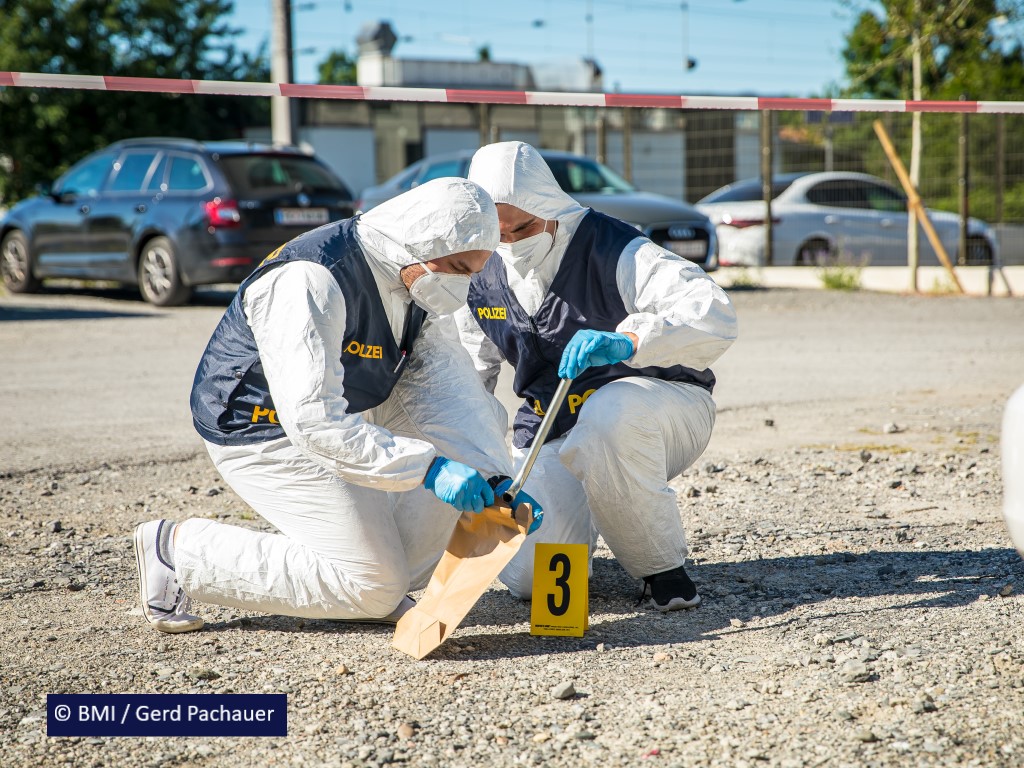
(930, 280)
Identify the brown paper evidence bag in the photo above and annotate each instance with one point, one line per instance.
(479, 549)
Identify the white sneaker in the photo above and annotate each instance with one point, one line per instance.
(164, 603)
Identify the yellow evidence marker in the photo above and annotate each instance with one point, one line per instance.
(561, 600)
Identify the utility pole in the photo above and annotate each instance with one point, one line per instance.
(627, 144)
(964, 183)
(913, 248)
(1000, 165)
(590, 29)
(282, 113)
(766, 185)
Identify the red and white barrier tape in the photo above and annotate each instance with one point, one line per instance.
(458, 96)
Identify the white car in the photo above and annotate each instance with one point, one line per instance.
(833, 217)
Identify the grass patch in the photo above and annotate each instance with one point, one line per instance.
(973, 438)
(840, 277)
(942, 286)
(858, 447)
(744, 278)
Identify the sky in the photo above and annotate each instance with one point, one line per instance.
(757, 47)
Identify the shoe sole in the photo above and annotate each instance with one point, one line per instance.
(170, 627)
(675, 604)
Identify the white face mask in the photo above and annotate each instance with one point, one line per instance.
(527, 253)
(440, 292)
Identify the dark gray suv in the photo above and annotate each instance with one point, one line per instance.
(672, 224)
(167, 215)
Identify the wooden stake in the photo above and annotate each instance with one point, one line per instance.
(914, 205)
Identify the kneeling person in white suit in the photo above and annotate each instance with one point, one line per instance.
(335, 400)
(572, 293)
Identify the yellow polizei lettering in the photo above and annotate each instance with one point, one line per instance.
(271, 256)
(537, 409)
(258, 413)
(492, 313)
(372, 351)
(577, 401)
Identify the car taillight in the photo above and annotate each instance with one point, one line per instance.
(743, 223)
(222, 213)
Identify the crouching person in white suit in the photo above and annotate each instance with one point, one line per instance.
(335, 400)
(572, 293)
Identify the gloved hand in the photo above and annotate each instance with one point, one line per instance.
(587, 348)
(459, 485)
(523, 498)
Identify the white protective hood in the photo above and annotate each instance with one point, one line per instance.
(514, 172)
(438, 218)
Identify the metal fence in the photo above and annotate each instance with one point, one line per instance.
(682, 146)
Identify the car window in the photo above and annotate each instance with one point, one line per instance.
(403, 181)
(131, 170)
(582, 177)
(156, 181)
(744, 191)
(87, 177)
(839, 193)
(441, 170)
(186, 175)
(256, 175)
(883, 198)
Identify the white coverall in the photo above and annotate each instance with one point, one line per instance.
(357, 530)
(1012, 444)
(609, 474)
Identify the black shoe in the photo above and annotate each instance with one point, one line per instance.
(670, 591)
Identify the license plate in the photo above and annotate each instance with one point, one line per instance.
(687, 248)
(301, 216)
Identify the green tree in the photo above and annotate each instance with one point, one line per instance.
(959, 47)
(965, 52)
(43, 131)
(337, 69)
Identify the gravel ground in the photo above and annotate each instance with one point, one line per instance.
(861, 594)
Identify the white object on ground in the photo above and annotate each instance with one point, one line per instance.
(1013, 467)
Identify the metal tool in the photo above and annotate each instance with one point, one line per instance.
(538, 440)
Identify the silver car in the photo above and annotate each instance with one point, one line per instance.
(833, 217)
(672, 224)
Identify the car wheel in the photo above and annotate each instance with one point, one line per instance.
(15, 264)
(979, 252)
(815, 253)
(159, 278)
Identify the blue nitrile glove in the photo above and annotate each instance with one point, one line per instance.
(588, 348)
(459, 485)
(523, 498)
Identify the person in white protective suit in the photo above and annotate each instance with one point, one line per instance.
(336, 401)
(572, 293)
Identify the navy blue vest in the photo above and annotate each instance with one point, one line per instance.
(583, 294)
(231, 403)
